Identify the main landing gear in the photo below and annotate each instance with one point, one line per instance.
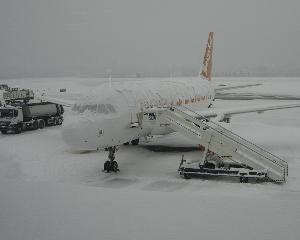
(134, 142)
(111, 165)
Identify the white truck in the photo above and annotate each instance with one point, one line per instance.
(29, 116)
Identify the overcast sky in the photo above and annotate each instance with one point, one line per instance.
(73, 37)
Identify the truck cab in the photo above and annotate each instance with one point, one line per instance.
(11, 118)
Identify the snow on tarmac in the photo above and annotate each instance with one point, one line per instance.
(49, 192)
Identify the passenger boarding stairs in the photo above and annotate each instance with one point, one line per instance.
(223, 142)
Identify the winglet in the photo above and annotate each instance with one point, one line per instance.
(208, 58)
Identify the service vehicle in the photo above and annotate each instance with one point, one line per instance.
(20, 116)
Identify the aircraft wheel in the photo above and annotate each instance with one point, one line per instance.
(111, 166)
(135, 142)
(114, 166)
(186, 176)
(244, 179)
(106, 166)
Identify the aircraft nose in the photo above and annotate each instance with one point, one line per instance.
(84, 133)
(78, 134)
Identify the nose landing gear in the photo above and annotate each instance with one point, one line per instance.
(111, 165)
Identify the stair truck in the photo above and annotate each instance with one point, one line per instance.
(18, 117)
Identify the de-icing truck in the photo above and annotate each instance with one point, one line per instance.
(17, 117)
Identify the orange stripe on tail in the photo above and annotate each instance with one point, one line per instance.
(208, 58)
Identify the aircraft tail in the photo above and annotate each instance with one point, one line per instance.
(208, 58)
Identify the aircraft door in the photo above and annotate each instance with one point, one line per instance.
(132, 104)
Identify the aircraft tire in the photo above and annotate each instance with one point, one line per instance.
(114, 166)
(135, 142)
(186, 176)
(244, 179)
(106, 166)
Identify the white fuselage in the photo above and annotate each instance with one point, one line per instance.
(105, 119)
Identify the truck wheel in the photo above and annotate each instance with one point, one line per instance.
(55, 122)
(135, 141)
(186, 176)
(59, 121)
(35, 125)
(244, 179)
(19, 129)
(41, 124)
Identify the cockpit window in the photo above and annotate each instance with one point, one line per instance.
(102, 109)
(81, 108)
(95, 108)
(92, 108)
(111, 108)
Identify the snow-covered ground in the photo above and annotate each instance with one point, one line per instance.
(49, 192)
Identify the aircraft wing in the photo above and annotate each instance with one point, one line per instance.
(251, 96)
(223, 114)
(225, 87)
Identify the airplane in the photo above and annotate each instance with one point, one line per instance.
(109, 118)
